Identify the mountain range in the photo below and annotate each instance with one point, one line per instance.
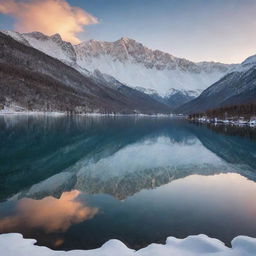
(118, 77)
(32, 80)
(237, 87)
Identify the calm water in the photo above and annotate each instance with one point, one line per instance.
(76, 182)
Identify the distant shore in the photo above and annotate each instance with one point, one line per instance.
(56, 113)
(229, 121)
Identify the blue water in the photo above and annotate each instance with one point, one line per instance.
(76, 182)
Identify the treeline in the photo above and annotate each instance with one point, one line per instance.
(234, 111)
(234, 130)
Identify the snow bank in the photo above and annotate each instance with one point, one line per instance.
(200, 245)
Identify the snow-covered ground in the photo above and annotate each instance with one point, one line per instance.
(15, 111)
(200, 245)
(231, 121)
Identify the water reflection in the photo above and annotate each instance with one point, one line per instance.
(232, 144)
(216, 205)
(146, 164)
(49, 214)
(119, 157)
(50, 145)
(139, 180)
(62, 150)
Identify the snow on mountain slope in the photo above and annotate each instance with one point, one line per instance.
(247, 64)
(17, 36)
(138, 66)
(53, 45)
(233, 89)
(161, 81)
(188, 93)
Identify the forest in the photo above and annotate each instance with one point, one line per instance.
(246, 111)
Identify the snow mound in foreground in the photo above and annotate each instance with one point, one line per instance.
(200, 245)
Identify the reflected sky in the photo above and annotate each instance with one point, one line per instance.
(49, 214)
(216, 205)
(76, 182)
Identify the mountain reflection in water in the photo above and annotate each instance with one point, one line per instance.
(62, 179)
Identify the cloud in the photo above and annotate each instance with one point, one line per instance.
(48, 16)
(36, 214)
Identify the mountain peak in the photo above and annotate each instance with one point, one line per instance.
(125, 40)
(40, 36)
(56, 37)
(250, 60)
(36, 34)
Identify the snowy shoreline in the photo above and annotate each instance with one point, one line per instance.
(83, 114)
(216, 121)
(14, 244)
(32, 113)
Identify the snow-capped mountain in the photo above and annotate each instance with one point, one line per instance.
(138, 66)
(179, 97)
(237, 87)
(150, 71)
(53, 45)
(247, 64)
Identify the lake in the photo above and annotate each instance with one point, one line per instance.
(74, 182)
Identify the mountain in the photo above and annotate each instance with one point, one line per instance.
(51, 45)
(32, 80)
(152, 72)
(237, 87)
(179, 97)
(138, 66)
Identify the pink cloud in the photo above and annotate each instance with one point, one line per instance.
(49, 17)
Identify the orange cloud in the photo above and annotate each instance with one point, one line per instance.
(50, 214)
(48, 16)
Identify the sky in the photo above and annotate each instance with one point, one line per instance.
(198, 30)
